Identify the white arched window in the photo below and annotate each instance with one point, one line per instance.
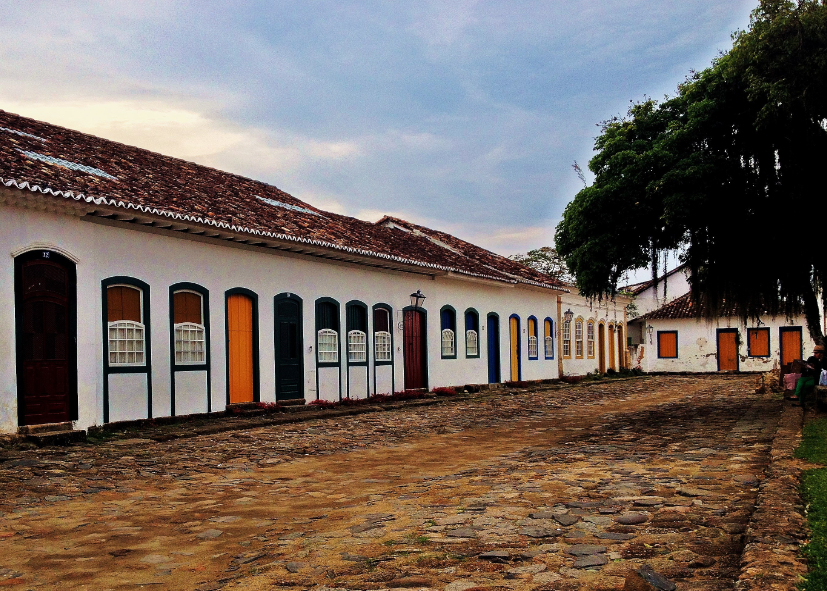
(188, 324)
(328, 346)
(448, 344)
(357, 346)
(382, 342)
(549, 339)
(471, 343)
(590, 339)
(126, 331)
(567, 339)
(578, 338)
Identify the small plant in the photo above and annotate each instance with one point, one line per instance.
(444, 391)
(270, 406)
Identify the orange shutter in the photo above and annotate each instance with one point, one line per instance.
(759, 342)
(240, 346)
(727, 351)
(667, 344)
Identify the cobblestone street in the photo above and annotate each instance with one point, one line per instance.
(562, 488)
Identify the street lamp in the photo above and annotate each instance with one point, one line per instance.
(416, 299)
(650, 329)
(568, 315)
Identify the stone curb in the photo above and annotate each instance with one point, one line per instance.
(772, 552)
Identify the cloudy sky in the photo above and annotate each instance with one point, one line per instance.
(463, 115)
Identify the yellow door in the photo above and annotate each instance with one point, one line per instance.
(515, 349)
(240, 347)
(612, 347)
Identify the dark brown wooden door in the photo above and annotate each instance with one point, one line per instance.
(727, 350)
(45, 342)
(415, 354)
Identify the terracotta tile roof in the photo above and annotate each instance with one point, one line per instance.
(67, 164)
(684, 307)
(638, 288)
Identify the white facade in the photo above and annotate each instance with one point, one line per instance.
(698, 350)
(672, 285)
(103, 249)
(597, 335)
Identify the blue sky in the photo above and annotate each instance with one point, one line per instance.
(465, 116)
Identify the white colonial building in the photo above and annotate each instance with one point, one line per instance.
(138, 285)
(670, 336)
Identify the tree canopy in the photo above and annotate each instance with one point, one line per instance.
(727, 172)
(546, 260)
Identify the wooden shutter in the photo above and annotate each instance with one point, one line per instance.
(380, 320)
(123, 303)
(667, 344)
(186, 308)
(759, 342)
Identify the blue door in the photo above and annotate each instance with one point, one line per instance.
(493, 349)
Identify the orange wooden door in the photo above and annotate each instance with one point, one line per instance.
(790, 345)
(240, 347)
(514, 325)
(601, 348)
(612, 347)
(727, 350)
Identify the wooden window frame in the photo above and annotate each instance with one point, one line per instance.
(147, 322)
(590, 339)
(749, 341)
(579, 341)
(664, 332)
(532, 334)
(548, 338)
(566, 328)
(337, 330)
(443, 329)
(205, 319)
(476, 316)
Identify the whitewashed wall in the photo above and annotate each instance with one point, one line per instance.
(668, 288)
(103, 251)
(606, 312)
(698, 350)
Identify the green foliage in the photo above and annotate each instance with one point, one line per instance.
(814, 493)
(727, 172)
(813, 447)
(546, 260)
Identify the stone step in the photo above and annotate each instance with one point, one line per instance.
(44, 428)
(56, 438)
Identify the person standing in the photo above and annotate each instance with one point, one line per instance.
(809, 375)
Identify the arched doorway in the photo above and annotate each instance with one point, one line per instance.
(514, 329)
(242, 346)
(493, 349)
(289, 347)
(612, 363)
(414, 336)
(621, 347)
(46, 312)
(601, 347)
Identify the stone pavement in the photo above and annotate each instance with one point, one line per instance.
(564, 488)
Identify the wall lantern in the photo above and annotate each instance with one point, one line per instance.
(650, 329)
(416, 299)
(568, 315)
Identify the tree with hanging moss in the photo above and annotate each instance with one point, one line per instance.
(728, 173)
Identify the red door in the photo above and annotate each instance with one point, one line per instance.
(415, 354)
(45, 342)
